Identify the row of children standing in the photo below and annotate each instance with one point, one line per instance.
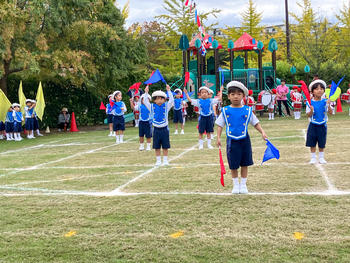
(12, 128)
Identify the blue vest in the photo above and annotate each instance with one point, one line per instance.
(205, 107)
(18, 116)
(320, 112)
(159, 113)
(9, 117)
(237, 120)
(145, 114)
(117, 107)
(177, 104)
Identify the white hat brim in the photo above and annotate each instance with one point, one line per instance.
(204, 88)
(239, 85)
(318, 81)
(159, 93)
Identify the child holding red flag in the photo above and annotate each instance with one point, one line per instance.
(239, 150)
(317, 113)
(118, 111)
(109, 115)
(160, 110)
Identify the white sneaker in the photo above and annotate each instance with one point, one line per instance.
(200, 147)
(312, 161)
(165, 163)
(136, 125)
(182, 132)
(176, 132)
(121, 140)
(243, 189)
(110, 134)
(322, 161)
(210, 146)
(117, 141)
(148, 148)
(235, 189)
(212, 137)
(142, 147)
(39, 134)
(158, 163)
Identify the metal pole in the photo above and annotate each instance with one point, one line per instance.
(287, 31)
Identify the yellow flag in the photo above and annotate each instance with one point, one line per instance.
(4, 105)
(40, 102)
(21, 97)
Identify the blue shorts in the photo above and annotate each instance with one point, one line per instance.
(178, 116)
(118, 123)
(36, 124)
(161, 138)
(9, 127)
(17, 126)
(145, 129)
(29, 124)
(2, 126)
(205, 124)
(239, 153)
(109, 118)
(316, 134)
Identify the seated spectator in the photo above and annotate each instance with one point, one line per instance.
(63, 120)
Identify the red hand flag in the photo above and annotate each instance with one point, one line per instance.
(136, 87)
(305, 89)
(187, 78)
(222, 168)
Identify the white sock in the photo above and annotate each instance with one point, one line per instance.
(142, 145)
(8, 136)
(37, 131)
(270, 115)
(165, 158)
(243, 181)
(321, 155)
(159, 158)
(235, 181)
(313, 155)
(209, 142)
(121, 137)
(201, 142)
(273, 115)
(148, 145)
(295, 115)
(11, 135)
(117, 137)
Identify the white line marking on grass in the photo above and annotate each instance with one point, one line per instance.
(323, 172)
(63, 159)
(29, 148)
(117, 190)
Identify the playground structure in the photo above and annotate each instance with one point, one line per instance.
(205, 71)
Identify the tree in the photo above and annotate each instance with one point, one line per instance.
(82, 42)
(178, 20)
(251, 19)
(313, 39)
(344, 38)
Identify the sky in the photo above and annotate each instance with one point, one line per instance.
(273, 10)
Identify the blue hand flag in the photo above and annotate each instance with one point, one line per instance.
(270, 152)
(335, 86)
(155, 78)
(222, 76)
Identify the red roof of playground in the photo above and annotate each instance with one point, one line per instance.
(245, 42)
(199, 36)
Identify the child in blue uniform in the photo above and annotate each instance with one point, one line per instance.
(205, 105)
(36, 121)
(18, 118)
(109, 115)
(239, 150)
(118, 111)
(160, 110)
(29, 118)
(317, 113)
(9, 124)
(145, 121)
(178, 106)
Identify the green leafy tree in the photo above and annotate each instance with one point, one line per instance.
(177, 21)
(344, 33)
(251, 19)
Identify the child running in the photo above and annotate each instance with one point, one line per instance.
(317, 113)
(239, 150)
(160, 110)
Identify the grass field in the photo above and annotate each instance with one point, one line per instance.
(116, 207)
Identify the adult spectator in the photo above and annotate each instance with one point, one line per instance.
(281, 96)
(63, 120)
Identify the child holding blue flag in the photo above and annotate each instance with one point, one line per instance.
(178, 105)
(239, 150)
(205, 105)
(317, 113)
(160, 110)
(145, 121)
(9, 122)
(118, 111)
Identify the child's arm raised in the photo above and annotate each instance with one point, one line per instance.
(132, 106)
(188, 97)
(146, 100)
(171, 98)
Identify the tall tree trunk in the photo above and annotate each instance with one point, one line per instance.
(3, 80)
